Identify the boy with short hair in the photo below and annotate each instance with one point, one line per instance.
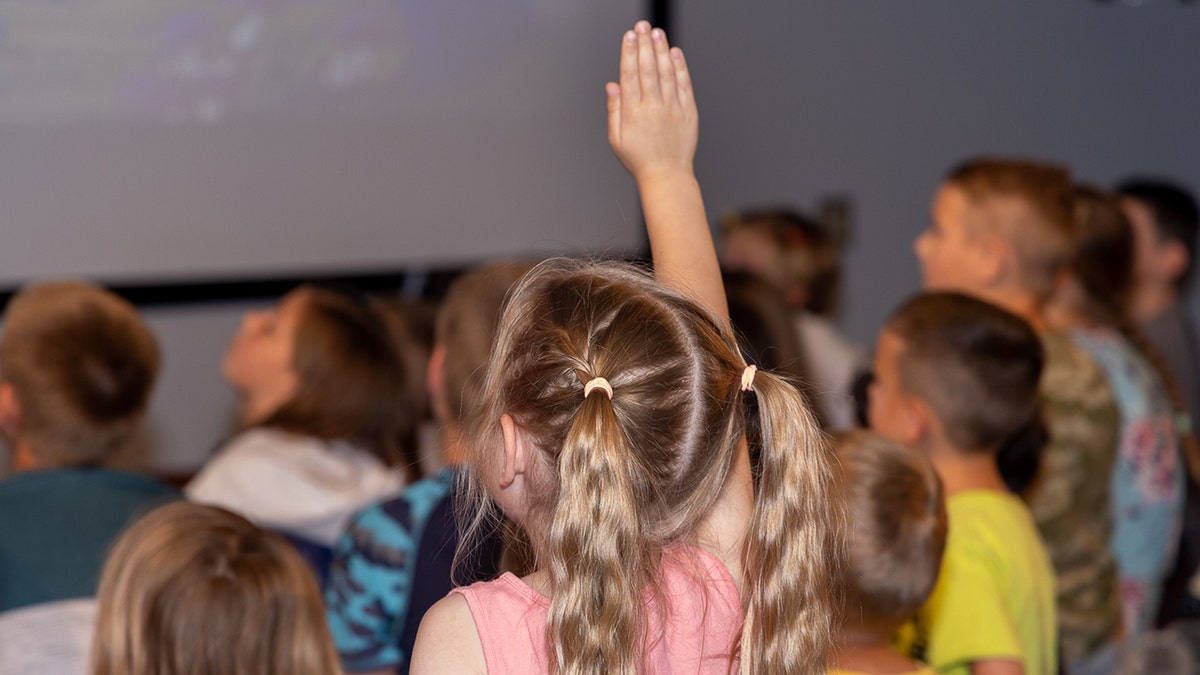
(897, 516)
(77, 366)
(1001, 231)
(955, 379)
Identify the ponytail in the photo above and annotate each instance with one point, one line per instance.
(595, 619)
(795, 539)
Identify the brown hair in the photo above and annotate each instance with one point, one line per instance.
(82, 364)
(466, 325)
(808, 255)
(765, 332)
(197, 590)
(616, 480)
(977, 367)
(1029, 207)
(352, 379)
(897, 532)
(1103, 264)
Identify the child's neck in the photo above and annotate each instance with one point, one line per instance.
(723, 531)
(1018, 301)
(964, 471)
(865, 649)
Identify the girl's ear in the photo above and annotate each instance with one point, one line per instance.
(516, 451)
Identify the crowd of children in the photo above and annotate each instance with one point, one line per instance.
(644, 472)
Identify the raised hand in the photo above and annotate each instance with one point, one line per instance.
(652, 120)
(653, 127)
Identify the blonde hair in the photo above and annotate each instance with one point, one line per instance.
(614, 481)
(1031, 206)
(197, 590)
(466, 325)
(82, 364)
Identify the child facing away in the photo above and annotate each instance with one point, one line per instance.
(612, 433)
(77, 366)
(196, 589)
(955, 377)
(396, 557)
(1001, 230)
(897, 534)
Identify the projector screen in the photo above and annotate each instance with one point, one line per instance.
(152, 140)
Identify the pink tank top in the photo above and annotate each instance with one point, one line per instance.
(694, 633)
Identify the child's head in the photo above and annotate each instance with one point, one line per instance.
(196, 589)
(998, 226)
(462, 338)
(1165, 220)
(77, 365)
(601, 484)
(325, 363)
(956, 366)
(787, 249)
(897, 531)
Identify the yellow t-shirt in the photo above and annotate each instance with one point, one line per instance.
(923, 670)
(995, 596)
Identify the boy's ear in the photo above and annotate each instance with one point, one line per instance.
(10, 411)
(995, 260)
(1173, 260)
(516, 450)
(918, 421)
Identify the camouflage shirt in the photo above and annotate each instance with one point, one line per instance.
(1069, 499)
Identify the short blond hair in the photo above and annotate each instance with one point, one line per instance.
(197, 589)
(1030, 207)
(82, 364)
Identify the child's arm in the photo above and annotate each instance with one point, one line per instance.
(653, 129)
(447, 641)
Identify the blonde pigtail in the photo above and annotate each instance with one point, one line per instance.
(595, 552)
(795, 542)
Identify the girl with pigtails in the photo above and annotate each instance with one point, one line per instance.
(613, 432)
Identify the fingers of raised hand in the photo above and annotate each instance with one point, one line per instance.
(612, 92)
(647, 62)
(666, 69)
(683, 79)
(631, 88)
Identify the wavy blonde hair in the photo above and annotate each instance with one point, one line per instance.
(197, 590)
(617, 480)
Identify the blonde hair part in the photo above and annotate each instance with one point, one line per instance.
(193, 590)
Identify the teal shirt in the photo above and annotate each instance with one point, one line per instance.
(57, 525)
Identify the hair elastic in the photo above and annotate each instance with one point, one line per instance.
(597, 383)
(748, 378)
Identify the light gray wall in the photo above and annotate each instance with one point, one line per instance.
(876, 100)
(869, 99)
